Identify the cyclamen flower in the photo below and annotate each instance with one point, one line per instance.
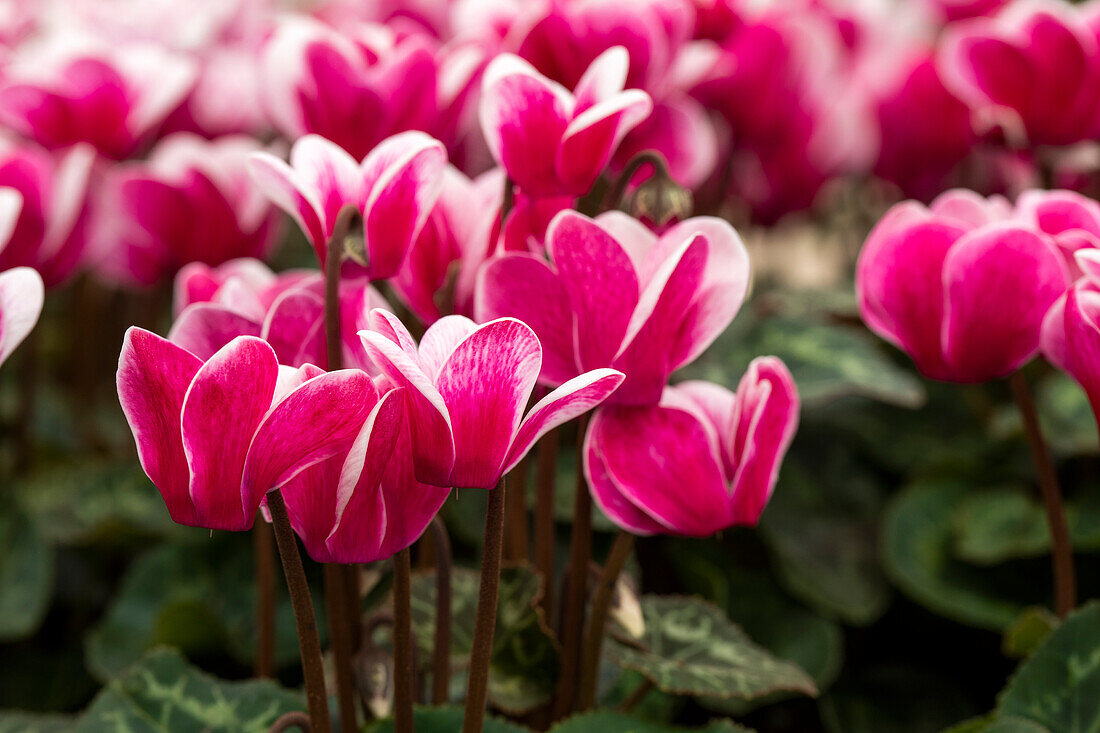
(1034, 68)
(615, 295)
(364, 504)
(51, 232)
(21, 298)
(63, 92)
(394, 189)
(702, 460)
(244, 298)
(354, 89)
(1070, 219)
(214, 436)
(192, 201)
(552, 142)
(1077, 350)
(959, 286)
(467, 387)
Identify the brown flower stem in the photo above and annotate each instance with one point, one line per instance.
(546, 463)
(334, 259)
(477, 689)
(264, 558)
(441, 644)
(637, 696)
(572, 621)
(286, 721)
(403, 663)
(309, 645)
(597, 620)
(340, 643)
(1061, 548)
(515, 515)
(646, 157)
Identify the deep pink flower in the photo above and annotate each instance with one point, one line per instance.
(1072, 341)
(394, 189)
(1034, 69)
(615, 295)
(244, 298)
(113, 97)
(949, 11)
(51, 233)
(214, 436)
(702, 460)
(1071, 220)
(364, 504)
(354, 88)
(21, 297)
(192, 201)
(467, 388)
(552, 142)
(959, 286)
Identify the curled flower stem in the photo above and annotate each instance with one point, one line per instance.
(572, 621)
(286, 721)
(441, 644)
(403, 665)
(546, 463)
(309, 644)
(597, 620)
(265, 599)
(340, 643)
(647, 157)
(477, 689)
(1065, 591)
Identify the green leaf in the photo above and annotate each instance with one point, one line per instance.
(917, 545)
(1065, 417)
(1001, 524)
(445, 719)
(972, 725)
(603, 721)
(90, 501)
(524, 665)
(200, 598)
(162, 694)
(1059, 685)
(15, 721)
(26, 575)
(1028, 631)
(691, 648)
(827, 361)
(1015, 725)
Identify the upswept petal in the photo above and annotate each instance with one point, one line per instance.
(294, 327)
(986, 335)
(591, 138)
(408, 503)
(719, 406)
(279, 183)
(327, 171)
(153, 377)
(575, 397)
(486, 383)
(21, 297)
(224, 405)
(524, 286)
(204, 328)
(440, 341)
(608, 495)
(604, 78)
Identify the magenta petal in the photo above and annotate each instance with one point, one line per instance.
(988, 333)
(311, 505)
(409, 504)
(486, 383)
(279, 183)
(664, 462)
(525, 287)
(607, 494)
(575, 397)
(361, 518)
(153, 377)
(222, 409)
(767, 413)
(204, 328)
(294, 327)
(429, 418)
(601, 282)
(21, 298)
(440, 341)
(718, 405)
(1052, 334)
(387, 324)
(591, 138)
(318, 420)
(1083, 342)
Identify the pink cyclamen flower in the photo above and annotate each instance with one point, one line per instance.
(21, 298)
(1034, 69)
(1071, 220)
(244, 298)
(394, 189)
(364, 504)
(467, 387)
(1077, 352)
(958, 285)
(354, 88)
(702, 460)
(552, 142)
(616, 295)
(51, 232)
(215, 436)
(191, 201)
(62, 92)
